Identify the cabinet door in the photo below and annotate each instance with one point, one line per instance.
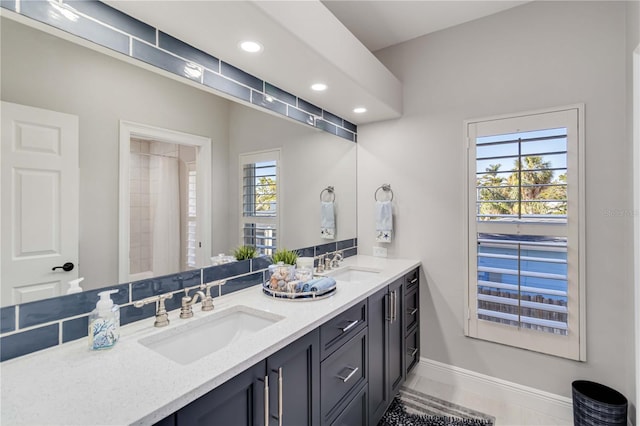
(379, 397)
(238, 402)
(396, 336)
(294, 383)
(356, 412)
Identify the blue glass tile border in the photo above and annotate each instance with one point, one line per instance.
(165, 284)
(75, 329)
(55, 14)
(108, 27)
(115, 18)
(7, 319)
(180, 48)
(68, 313)
(71, 305)
(24, 343)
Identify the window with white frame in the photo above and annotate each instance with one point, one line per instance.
(260, 194)
(526, 231)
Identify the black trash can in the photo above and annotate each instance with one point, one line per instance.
(597, 405)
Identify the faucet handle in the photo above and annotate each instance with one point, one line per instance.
(162, 317)
(207, 302)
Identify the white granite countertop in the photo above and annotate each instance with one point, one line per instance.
(132, 384)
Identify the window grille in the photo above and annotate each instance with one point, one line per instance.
(525, 226)
(260, 189)
(192, 217)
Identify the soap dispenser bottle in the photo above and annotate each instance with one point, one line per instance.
(74, 286)
(104, 322)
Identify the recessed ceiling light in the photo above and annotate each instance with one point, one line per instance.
(251, 46)
(319, 87)
(360, 110)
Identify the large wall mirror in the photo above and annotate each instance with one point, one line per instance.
(43, 71)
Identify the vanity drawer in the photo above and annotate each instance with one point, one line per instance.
(340, 329)
(342, 375)
(412, 346)
(412, 279)
(411, 310)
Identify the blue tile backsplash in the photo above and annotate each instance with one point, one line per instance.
(39, 323)
(108, 27)
(15, 345)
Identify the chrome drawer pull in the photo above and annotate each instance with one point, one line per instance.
(266, 400)
(414, 351)
(413, 281)
(350, 375)
(414, 311)
(280, 396)
(351, 325)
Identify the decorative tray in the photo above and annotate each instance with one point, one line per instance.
(303, 296)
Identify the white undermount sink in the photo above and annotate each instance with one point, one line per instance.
(192, 341)
(353, 274)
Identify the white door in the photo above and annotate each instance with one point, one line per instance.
(39, 202)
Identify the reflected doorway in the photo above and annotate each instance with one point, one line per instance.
(164, 201)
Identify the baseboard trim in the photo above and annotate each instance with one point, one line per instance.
(498, 389)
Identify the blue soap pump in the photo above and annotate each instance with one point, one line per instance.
(104, 322)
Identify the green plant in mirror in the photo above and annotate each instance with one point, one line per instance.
(245, 252)
(288, 257)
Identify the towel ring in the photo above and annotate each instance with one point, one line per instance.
(386, 188)
(328, 189)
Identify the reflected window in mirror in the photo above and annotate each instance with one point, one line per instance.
(260, 197)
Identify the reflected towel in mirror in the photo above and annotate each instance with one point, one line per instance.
(327, 220)
(384, 221)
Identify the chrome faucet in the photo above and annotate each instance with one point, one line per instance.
(337, 258)
(162, 317)
(186, 310)
(207, 302)
(321, 263)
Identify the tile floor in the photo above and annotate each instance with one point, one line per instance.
(505, 414)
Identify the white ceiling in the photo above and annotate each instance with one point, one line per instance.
(379, 24)
(306, 42)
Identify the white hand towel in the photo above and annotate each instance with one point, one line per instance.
(384, 221)
(327, 220)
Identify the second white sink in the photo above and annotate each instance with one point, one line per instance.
(192, 341)
(352, 274)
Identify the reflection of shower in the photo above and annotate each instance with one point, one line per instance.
(159, 226)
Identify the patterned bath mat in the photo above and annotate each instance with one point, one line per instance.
(413, 408)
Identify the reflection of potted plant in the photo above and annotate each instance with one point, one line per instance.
(245, 252)
(287, 257)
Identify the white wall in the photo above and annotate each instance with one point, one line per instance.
(538, 55)
(633, 126)
(46, 72)
(311, 160)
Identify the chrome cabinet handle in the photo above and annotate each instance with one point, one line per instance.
(393, 306)
(414, 351)
(351, 325)
(266, 400)
(350, 375)
(414, 311)
(413, 281)
(279, 396)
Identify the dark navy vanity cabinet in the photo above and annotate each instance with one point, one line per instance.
(344, 373)
(386, 346)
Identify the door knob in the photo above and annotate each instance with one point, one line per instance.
(66, 267)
